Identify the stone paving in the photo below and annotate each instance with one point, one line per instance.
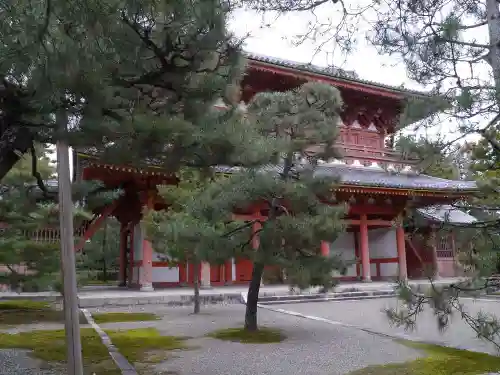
(312, 348)
(18, 362)
(368, 314)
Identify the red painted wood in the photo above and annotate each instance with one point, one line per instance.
(182, 274)
(131, 258)
(123, 255)
(401, 249)
(325, 248)
(357, 253)
(216, 274)
(96, 224)
(191, 273)
(244, 269)
(363, 245)
(340, 83)
(228, 272)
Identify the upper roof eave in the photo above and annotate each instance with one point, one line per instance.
(400, 92)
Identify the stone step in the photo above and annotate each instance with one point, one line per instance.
(166, 300)
(319, 297)
(225, 298)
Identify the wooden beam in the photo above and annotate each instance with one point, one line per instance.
(96, 224)
(378, 222)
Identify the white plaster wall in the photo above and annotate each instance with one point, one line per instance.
(382, 243)
(389, 269)
(373, 269)
(165, 275)
(233, 269)
(343, 246)
(135, 274)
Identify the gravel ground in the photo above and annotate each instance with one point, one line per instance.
(368, 314)
(17, 362)
(312, 348)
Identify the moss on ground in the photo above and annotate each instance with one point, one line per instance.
(50, 347)
(101, 318)
(15, 312)
(262, 336)
(145, 345)
(440, 360)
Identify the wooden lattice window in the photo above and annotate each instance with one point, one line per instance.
(444, 245)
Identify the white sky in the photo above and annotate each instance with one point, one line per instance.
(275, 41)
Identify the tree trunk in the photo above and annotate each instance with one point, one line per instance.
(104, 244)
(253, 297)
(196, 285)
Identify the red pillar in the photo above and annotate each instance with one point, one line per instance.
(228, 272)
(123, 257)
(400, 243)
(131, 260)
(325, 248)
(435, 262)
(146, 277)
(363, 244)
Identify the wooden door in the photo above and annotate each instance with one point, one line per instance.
(244, 269)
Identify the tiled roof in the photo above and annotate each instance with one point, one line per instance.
(372, 177)
(446, 214)
(338, 74)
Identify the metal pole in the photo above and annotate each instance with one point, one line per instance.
(71, 312)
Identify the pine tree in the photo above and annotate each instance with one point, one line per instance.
(138, 77)
(433, 158)
(177, 235)
(28, 264)
(99, 257)
(452, 48)
(288, 190)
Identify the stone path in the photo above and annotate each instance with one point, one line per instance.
(369, 314)
(18, 362)
(312, 348)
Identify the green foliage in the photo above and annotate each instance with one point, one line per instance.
(438, 360)
(28, 264)
(101, 254)
(201, 222)
(433, 158)
(140, 79)
(262, 336)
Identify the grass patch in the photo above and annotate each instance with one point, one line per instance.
(15, 312)
(50, 347)
(123, 317)
(440, 360)
(22, 304)
(145, 345)
(262, 336)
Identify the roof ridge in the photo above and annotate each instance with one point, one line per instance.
(341, 74)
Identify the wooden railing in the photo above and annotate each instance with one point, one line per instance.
(368, 154)
(52, 235)
(373, 154)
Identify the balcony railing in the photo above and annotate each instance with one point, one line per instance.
(367, 155)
